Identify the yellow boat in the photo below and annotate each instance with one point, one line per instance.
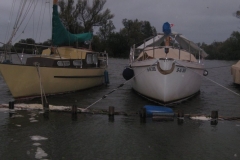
(57, 69)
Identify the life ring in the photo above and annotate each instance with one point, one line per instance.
(165, 71)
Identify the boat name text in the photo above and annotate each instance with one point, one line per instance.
(181, 69)
(151, 69)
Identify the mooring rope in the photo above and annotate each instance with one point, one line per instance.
(40, 83)
(210, 80)
(103, 97)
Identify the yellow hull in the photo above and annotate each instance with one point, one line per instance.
(23, 81)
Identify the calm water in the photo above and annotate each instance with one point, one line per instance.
(31, 136)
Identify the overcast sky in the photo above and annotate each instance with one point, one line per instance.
(198, 20)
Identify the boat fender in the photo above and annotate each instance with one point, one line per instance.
(128, 73)
(205, 72)
(166, 28)
(106, 78)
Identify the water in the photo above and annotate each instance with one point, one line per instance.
(31, 136)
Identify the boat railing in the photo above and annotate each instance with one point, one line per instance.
(135, 52)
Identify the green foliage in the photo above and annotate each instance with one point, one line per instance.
(81, 17)
(237, 14)
(136, 31)
(227, 50)
(118, 46)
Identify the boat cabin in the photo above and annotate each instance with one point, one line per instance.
(69, 57)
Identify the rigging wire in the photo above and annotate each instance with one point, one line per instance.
(39, 20)
(40, 33)
(21, 16)
(9, 21)
(32, 15)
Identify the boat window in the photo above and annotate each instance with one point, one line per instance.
(89, 59)
(95, 58)
(77, 62)
(63, 63)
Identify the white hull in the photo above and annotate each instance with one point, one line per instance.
(24, 81)
(181, 83)
(235, 71)
(169, 73)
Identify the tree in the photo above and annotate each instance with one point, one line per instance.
(136, 31)
(117, 45)
(237, 14)
(68, 15)
(100, 42)
(83, 17)
(105, 30)
(227, 50)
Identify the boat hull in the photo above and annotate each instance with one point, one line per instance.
(180, 80)
(24, 81)
(235, 71)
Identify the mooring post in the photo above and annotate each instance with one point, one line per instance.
(143, 113)
(11, 108)
(214, 116)
(46, 107)
(180, 117)
(74, 109)
(74, 112)
(46, 110)
(180, 114)
(111, 111)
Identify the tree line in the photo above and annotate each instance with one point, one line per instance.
(226, 50)
(81, 16)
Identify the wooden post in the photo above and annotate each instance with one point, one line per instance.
(180, 114)
(11, 108)
(111, 113)
(74, 109)
(74, 112)
(11, 105)
(180, 117)
(143, 113)
(46, 107)
(46, 110)
(214, 116)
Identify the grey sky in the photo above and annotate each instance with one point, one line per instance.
(198, 20)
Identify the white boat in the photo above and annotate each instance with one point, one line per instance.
(235, 71)
(166, 73)
(57, 69)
